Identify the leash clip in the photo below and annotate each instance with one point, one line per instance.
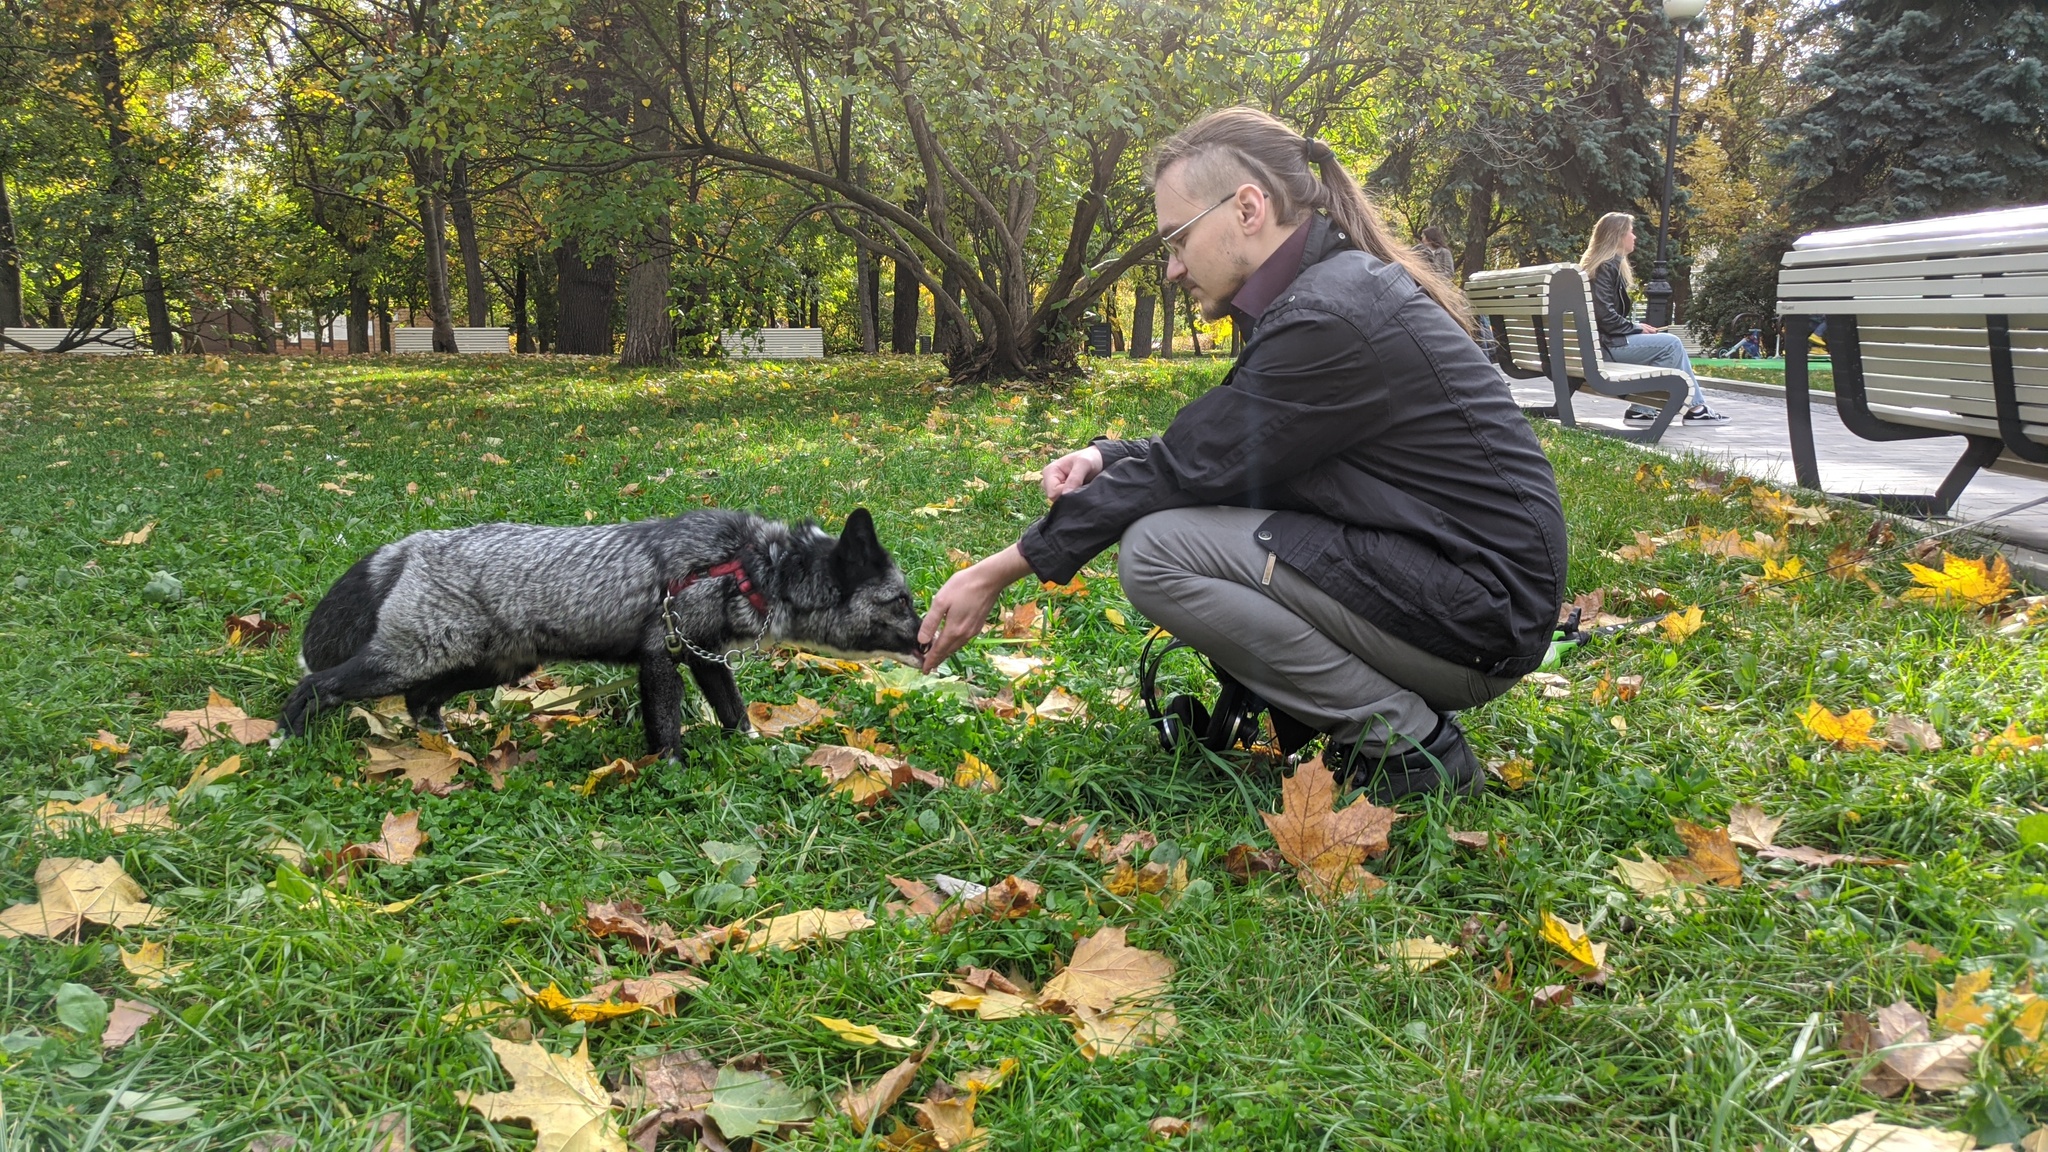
(672, 631)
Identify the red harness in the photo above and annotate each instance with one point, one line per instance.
(731, 568)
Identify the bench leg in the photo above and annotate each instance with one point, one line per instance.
(1799, 402)
(1981, 454)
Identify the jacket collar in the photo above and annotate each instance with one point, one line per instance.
(1312, 243)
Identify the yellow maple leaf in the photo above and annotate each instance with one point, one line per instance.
(2014, 741)
(1979, 583)
(1582, 954)
(1678, 627)
(1957, 1007)
(1778, 573)
(865, 1035)
(560, 1096)
(1850, 731)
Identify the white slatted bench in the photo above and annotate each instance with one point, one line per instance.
(1935, 328)
(104, 341)
(1541, 318)
(468, 341)
(774, 344)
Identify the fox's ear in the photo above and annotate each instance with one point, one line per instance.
(859, 556)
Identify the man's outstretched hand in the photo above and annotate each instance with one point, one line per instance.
(1072, 471)
(961, 608)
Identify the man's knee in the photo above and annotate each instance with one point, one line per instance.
(1143, 556)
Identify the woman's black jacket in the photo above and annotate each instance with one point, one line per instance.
(1611, 306)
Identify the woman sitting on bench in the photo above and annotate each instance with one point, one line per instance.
(1626, 341)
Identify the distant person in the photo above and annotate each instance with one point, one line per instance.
(1435, 250)
(1627, 341)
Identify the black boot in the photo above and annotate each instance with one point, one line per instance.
(1444, 760)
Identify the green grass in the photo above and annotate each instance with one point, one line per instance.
(1715, 1031)
(1819, 377)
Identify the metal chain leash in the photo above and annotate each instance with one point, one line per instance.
(677, 643)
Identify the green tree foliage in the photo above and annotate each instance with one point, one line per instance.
(1921, 107)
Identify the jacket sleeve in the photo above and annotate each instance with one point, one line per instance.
(1610, 309)
(1315, 391)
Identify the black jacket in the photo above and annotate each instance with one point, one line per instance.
(1403, 478)
(1612, 308)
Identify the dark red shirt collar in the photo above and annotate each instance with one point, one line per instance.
(1266, 284)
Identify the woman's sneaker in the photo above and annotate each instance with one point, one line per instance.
(1701, 414)
(1442, 761)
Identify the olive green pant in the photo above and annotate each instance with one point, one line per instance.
(1202, 574)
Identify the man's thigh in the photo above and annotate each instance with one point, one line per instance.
(1221, 543)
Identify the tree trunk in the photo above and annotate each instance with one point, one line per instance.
(1478, 230)
(585, 305)
(522, 338)
(434, 228)
(547, 295)
(384, 326)
(903, 309)
(650, 325)
(464, 216)
(1141, 326)
(358, 312)
(1167, 302)
(128, 182)
(10, 263)
(946, 335)
(866, 280)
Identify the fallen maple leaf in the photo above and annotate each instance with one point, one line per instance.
(1016, 667)
(1113, 1034)
(1515, 772)
(100, 810)
(150, 965)
(1908, 734)
(398, 843)
(1644, 548)
(125, 1021)
(206, 774)
(1242, 861)
(1817, 858)
(983, 1080)
(868, 1105)
(1850, 731)
(1749, 827)
(220, 719)
(1106, 974)
(1645, 876)
(502, 758)
(1328, 846)
(1979, 583)
(975, 775)
(864, 1035)
(1620, 689)
(559, 1096)
(949, 1117)
(864, 777)
(73, 893)
(615, 998)
(624, 919)
(253, 630)
(1019, 622)
(1155, 877)
(1864, 1133)
(105, 741)
(1710, 856)
(139, 536)
(427, 769)
(923, 901)
(1007, 899)
(1552, 996)
(2014, 741)
(1678, 627)
(1422, 953)
(1957, 1008)
(1582, 955)
(788, 719)
(1060, 705)
(677, 1087)
(1908, 1056)
(782, 932)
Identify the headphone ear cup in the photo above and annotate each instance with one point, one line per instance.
(1182, 715)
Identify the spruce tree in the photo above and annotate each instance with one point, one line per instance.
(1923, 107)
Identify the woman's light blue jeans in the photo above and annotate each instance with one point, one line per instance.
(1660, 350)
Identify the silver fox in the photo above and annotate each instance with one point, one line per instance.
(439, 613)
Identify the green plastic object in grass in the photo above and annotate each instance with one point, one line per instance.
(2032, 829)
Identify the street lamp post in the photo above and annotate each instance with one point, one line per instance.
(1657, 293)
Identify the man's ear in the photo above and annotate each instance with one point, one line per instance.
(858, 557)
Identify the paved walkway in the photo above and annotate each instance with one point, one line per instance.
(1754, 441)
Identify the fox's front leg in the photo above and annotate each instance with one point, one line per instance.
(661, 702)
(721, 691)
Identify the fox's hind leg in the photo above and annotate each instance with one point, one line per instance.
(360, 677)
(721, 691)
(424, 701)
(661, 702)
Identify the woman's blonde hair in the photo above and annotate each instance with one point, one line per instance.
(1234, 146)
(1610, 239)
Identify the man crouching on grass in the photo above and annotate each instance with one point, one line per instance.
(1356, 526)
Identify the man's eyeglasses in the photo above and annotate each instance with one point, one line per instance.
(1176, 238)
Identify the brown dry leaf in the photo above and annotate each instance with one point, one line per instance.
(949, 1117)
(139, 536)
(788, 719)
(624, 919)
(1552, 996)
(73, 893)
(1749, 827)
(502, 758)
(398, 844)
(428, 770)
(1010, 898)
(616, 774)
(1089, 837)
(1815, 858)
(220, 719)
(1019, 622)
(869, 1104)
(125, 1021)
(1710, 858)
(51, 817)
(1059, 705)
(655, 992)
(863, 776)
(678, 1087)
(1106, 974)
(254, 630)
(1553, 686)
(1003, 704)
(1422, 953)
(923, 901)
(558, 1095)
(1644, 548)
(1243, 861)
(1326, 845)
(1620, 689)
(390, 1132)
(1168, 1127)
(105, 741)
(1863, 1133)
(150, 965)
(1155, 877)
(1909, 734)
(788, 931)
(1956, 1007)
(1909, 1057)
(1477, 841)
(1114, 1034)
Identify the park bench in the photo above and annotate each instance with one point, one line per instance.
(105, 341)
(1934, 328)
(774, 344)
(1542, 324)
(468, 341)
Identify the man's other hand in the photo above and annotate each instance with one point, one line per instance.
(1071, 472)
(961, 608)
